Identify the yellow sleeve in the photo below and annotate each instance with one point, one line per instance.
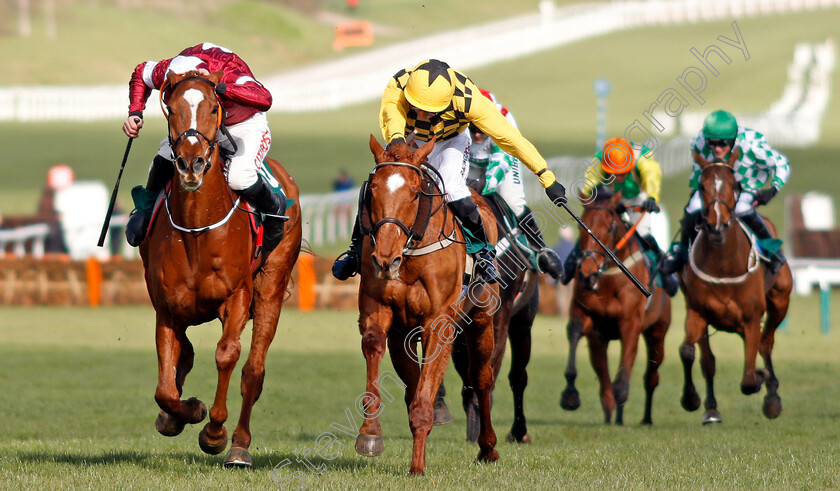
(594, 176)
(392, 111)
(484, 114)
(651, 176)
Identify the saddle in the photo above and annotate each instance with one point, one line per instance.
(150, 205)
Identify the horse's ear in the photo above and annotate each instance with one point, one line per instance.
(735, 155)
(172, 78)
(215, 77)
(703, 163)
(616, 198)
(424, 151)
(376, 149)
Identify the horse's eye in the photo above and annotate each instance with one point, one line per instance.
(215, 109)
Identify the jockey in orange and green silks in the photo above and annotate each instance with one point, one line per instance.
(638, 178)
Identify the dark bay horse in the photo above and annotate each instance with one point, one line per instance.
(726, 286)
(198, 268)
(411, 287)
(520, 299)
(607, 306)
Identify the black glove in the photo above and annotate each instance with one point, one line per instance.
(396, 141)
(620, 208)
(221, 87)
(650, 206)
(763, 196)
(556, 193)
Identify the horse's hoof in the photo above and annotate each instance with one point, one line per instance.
(512, 439)
(168, 425)
(712, 416)
(772, 406)
(238, 457)
(487, 456)
(690, 402)
(212, 446)
(199, 410)
(570, 399)
(442, 415)
(370, 445)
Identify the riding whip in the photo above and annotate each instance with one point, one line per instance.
(610, 253)
(114, 195)
(629, 233)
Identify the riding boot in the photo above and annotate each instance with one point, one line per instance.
(678, 255)
(757, 225)
(669, 281)
(570, 265)
(467, 212)
(160, 173)
(349, 263)
(547, 260)
(273, 207)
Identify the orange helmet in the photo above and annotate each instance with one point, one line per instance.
(617, 156)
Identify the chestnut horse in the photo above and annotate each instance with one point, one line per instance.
(725, 285)
(411, 286)
(198, 268)
(606, 305)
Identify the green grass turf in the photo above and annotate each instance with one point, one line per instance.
(78, 412)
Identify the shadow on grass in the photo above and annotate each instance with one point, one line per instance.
(263, 460)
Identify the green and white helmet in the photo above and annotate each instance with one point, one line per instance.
(720, 125)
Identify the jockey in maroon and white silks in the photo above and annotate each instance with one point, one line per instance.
(243, 99)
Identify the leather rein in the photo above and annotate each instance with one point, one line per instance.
(425, 208)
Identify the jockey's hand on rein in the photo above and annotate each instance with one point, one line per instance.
(396, 141)
(763, 196)
(556, 193)
(650, 206)
(220, 88)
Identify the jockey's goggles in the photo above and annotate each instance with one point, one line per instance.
(719, 143)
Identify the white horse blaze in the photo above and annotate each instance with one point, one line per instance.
(193, 98)
(395, 182)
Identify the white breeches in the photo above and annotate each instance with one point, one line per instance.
(512, 190)
(253, 140)
(744, 206)
(643, 228)
(450, 159)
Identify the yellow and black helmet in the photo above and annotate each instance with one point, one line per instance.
(430, 86)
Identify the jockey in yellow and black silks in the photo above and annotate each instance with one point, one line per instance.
(431, 99)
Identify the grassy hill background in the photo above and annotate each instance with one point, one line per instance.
(550, 92)
(99, 41)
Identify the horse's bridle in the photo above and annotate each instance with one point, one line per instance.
(704, 212)
(208, 152)
(417, 230)
(173, 143)
(593, 254)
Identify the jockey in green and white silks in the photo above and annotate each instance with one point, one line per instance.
(501, 175)
(754, 168)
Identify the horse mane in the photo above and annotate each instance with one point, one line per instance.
(601, 195)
